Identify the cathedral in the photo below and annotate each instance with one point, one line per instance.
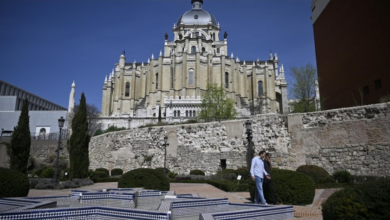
(173, 83)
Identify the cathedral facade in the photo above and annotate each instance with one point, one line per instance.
(173, 83)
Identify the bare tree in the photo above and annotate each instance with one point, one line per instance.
(303, 88)
(93, 115)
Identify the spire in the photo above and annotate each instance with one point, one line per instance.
(174, 25)
(237, 60)
(160, 53)
(276, 56)
(112, 73)
(244, 63)
(71, 98)
(266, 64)
(105, 79)
(152, 56)
(270, 56)
(148, 60)
(109, 77)
(142, 64)
(232, 56)
(281, 72)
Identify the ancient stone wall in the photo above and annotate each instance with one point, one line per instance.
(354, 139)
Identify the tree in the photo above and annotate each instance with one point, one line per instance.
(21, 141)
(216, 106)
(303, 88)
(93, 117)
(79, 141)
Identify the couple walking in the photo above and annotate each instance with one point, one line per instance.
(261, 171)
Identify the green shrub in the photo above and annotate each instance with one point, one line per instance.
(342, 176)
(103, 170)
(105, 179)
(172, 175)
(38, 171)
(197, 172)
(344, 204)
(144, 177)
(229, 174)
(290, 187)
(47, 173)
(366, 201)
(244, 172)
(13, 183)
(116, 172)
(161, 169)
(98, 174)
(318, 174)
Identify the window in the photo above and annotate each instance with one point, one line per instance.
(127, 91)
(226, 80)
(218, 50)
(174, 113)
(193, 50)
(366, 90)
(178, 113)
(378, 84)
(186, 113)
(203, 49)
(259, 88)
(156, 80)
(191, 77)
(193, 113)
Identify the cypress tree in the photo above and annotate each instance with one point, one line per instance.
(79, 141)
(21, 141)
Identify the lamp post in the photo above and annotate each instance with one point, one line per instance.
(60, 125)
(165, 149)
(249, 152)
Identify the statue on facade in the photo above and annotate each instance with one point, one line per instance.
(225, 35)
(166, 36)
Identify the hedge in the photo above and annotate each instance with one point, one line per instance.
(244, 172)
(197, 172)
(342, 176)
(116, 172)
(98, 174)
(103, 170)
(13, 183)
(144, 177)
(366, 201)
(318, 174)
(290, 187)
(161, 169)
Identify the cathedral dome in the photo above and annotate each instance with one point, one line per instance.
(197, 15)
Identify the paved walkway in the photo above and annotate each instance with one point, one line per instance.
(311, 212)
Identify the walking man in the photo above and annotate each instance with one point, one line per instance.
(257, 173)
(268, 182)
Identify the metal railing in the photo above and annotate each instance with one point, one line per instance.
(65, 135)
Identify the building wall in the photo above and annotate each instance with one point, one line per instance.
(352, 51)
(354, 139)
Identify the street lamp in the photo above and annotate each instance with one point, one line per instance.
(165, 148)
(249, 153)
(60, 125)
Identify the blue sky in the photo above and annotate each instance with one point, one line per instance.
(46, 44)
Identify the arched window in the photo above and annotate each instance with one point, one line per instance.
(178, 113)
(213, 36)
(193, 50)
(127, 91)
(191, 77)
(186, 113)
(226, 80)
(174, 113)
(203, 49)
(193, 113)
(156, 80)
(260, 88)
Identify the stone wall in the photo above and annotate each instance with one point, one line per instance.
(354, 139)
(43, 152)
